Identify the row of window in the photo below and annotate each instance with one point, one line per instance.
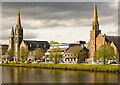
(38, 45)
(72, 59)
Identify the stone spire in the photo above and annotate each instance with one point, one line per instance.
(18, 20)
(12, 32)
(95, 23)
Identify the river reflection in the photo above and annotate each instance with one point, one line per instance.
(37, 75)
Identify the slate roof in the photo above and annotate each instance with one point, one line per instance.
(75, 49)
(63, 49)
(37, 44)
(115, 39)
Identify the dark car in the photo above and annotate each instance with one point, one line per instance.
(113, 62)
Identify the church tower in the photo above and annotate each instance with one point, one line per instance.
(18, 36)
(11, 40)
(94, 33)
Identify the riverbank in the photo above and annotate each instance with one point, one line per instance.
(81, 67)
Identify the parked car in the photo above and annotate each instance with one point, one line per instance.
(61, 61)
(100, 63)
(50, 62)
(69, 61)
(38, 61)
(84, 62)
(113, 62)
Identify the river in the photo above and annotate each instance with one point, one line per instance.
(38, 75)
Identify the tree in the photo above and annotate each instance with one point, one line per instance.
(82, 55)
(104, 53)
(53, 42)
(11, 54)
(38, 53)
(55, 55)
(23, 53)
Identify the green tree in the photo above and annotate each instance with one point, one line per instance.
(104, 53)
(38, 53)
(55, 55)
(82, 55)
(53, 42)
(23, 53)
(11, 54)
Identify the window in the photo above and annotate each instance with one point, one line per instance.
(92, 42)
(92, 50)
(44, 45)
(37, 45)
(99, 44)
(16, 47)
(30, 45)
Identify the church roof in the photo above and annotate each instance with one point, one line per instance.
(114, 39)
(37, 44)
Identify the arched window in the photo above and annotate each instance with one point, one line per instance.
(92, 50)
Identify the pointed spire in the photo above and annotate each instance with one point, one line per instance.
(12, 32)
(95, 23)
(95, 19)
(18, 20)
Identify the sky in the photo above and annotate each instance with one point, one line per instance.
(64, 22)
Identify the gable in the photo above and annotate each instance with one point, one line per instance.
(23, 44)
(115, 40)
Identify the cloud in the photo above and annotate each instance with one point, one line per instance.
(47, 15)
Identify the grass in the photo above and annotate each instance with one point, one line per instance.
(85, 67)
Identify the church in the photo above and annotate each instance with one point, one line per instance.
(97, 39)
(16, 40)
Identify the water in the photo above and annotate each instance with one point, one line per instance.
(38, 75)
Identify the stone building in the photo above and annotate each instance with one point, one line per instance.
(97, 39)
(16, 40)
(3, 51)
(69, 55)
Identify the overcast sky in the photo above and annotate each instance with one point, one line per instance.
(58, 21)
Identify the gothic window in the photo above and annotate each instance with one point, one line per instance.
(92, 50)
(99, 44)
(92, 42)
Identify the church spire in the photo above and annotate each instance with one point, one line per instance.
(95, 19)
(95, 23)
(18, 20)
(12, 32)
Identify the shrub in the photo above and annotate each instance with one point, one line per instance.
(28, 62)
(2, 61)
(16, 62)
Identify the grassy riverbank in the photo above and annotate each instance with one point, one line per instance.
(82, 67)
